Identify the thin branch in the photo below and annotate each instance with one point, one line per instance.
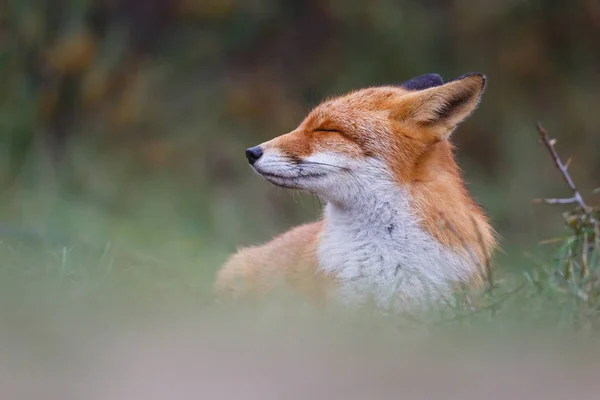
(552, 241)
(549, 143)
(568, 163)
(584, 257)
(569, 200)
(597, 238)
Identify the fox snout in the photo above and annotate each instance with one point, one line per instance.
(253, 154)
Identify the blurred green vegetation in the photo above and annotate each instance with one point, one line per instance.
(123, 122)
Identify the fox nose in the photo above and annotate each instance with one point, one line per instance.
(253, 154)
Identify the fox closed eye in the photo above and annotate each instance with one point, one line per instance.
(326, 130)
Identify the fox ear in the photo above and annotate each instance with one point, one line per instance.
(442, 108)
(422, 82)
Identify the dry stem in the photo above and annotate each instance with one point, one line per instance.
(549, 143)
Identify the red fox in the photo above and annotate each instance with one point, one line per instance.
(398, 226)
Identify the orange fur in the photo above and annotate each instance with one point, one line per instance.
(288, 260)
(408, 129)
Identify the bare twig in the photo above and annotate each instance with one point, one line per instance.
(568, 162)
(549, 143)
(552, 241)
(597, 238)
(584, 257)
(570, 200)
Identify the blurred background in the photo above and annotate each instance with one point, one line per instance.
(123, 123)
(124, 186)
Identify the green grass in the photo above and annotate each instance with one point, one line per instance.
(149, 254)
(115, 224)
(122, 309)
(118, 278)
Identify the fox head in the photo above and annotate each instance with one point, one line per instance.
(371, 135)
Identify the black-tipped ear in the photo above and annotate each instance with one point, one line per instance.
(423, 82)
(441, 108)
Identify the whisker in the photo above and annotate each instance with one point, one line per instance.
(345, 169)
(322, 164)
(360, 183)
(360, 186)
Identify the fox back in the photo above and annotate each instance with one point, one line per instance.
(399, 227)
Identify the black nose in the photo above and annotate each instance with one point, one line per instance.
(253, 154)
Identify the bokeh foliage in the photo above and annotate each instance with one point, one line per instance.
(131, 116)
(123, 186)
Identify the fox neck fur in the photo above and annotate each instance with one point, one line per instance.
(375, 245)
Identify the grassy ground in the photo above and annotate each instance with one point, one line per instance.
(113, 224)
(93, 284)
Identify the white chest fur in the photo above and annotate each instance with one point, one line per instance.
(378, 251)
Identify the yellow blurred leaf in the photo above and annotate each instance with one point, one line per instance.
(94, 87)
(72, 53)
(125, 111)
